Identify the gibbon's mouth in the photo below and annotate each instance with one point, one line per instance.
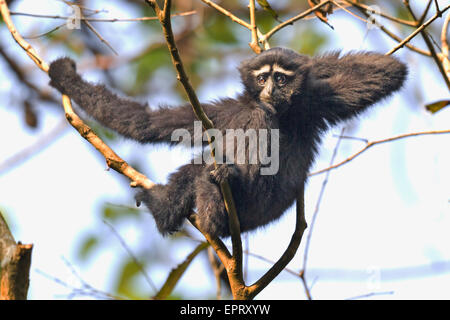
(266, 104)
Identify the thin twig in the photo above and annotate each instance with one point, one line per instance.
(131, 255)
(254, 44)
(371, 294)
(282, 25)
(337, 4)
(290, 251)
(382, 14)
(374, 143)
(424, 14)
(45, 33)
(234, 18)
(234, 265)
(388, 32)
(417, 31)
(39, 145)
(227, 13)
(445, 58)
(85, 289)
(18, 38)
(91, 27)
(182, 14)
(217, 268)
(428, 42)
(314, 217)
(112, 159)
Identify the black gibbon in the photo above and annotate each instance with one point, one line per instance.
(300, 96)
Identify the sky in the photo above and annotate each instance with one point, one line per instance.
(382, 226)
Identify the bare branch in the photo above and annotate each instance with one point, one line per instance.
(40, 144)
(234, 265)
(254, 44)
(131, 255)
(427, 39)
(374, 143)
(112, 159)
(389, 33)
(15, 261)
(181, 14)
(305, 13)
(314, 217)
(418, 30)
(444, 56)
(382, 14)
(290, 252)
(227, 13)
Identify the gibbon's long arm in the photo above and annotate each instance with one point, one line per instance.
(343, 86)
(125, 116)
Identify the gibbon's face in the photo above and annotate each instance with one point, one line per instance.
(275, 77)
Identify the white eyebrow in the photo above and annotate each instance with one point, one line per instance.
(277, 68)
(263, 69)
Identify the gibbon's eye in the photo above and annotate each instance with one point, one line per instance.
(280, 79)
(261, 79)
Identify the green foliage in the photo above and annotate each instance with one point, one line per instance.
(147, 65)
(308, 41)
(177, 272)
(113, 212)
(87, 247)
(125, 285)
(93, 242)
(219, 30)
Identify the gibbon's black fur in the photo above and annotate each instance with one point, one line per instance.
(299, 95)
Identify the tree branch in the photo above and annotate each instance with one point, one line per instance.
(282, 25)
(233, 264)
(15, 261)
(428, 42)
(254, 44)
(418, 30)
(387, 32)
(112, 159)
(373, 143)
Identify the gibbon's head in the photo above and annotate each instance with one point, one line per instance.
(275, 77)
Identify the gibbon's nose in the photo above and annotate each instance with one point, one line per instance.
(266, 93)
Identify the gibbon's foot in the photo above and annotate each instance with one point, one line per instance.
(168, 216)
(222, 173)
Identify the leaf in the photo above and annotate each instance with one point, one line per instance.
(124, 285)
(311, 41)
(436, 106)
(88, 246)
(266, 6)
(220, 30)
(322, 12)
(111, 212)
(176, 273)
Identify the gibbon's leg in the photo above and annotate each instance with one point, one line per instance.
(172, 203)
(213, 216)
